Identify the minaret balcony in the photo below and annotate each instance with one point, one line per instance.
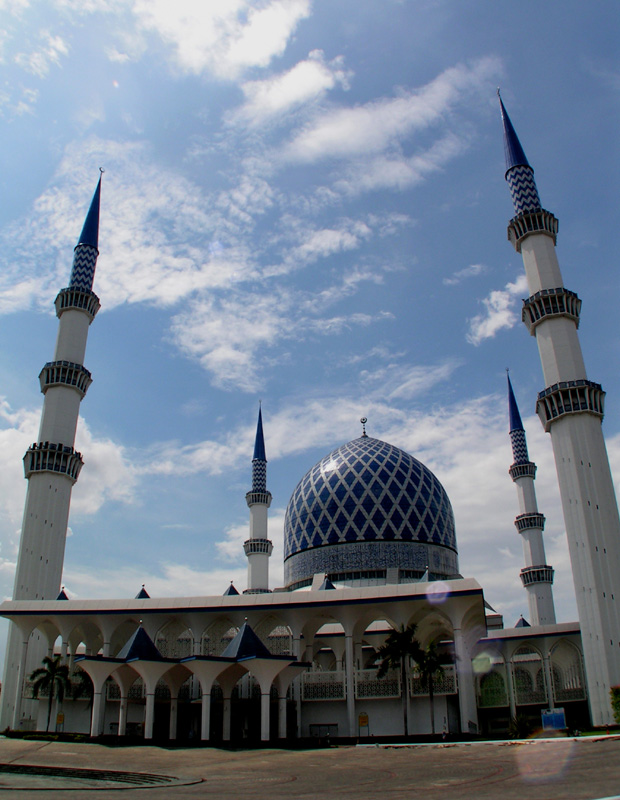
(525, 470)
(541, 574)
(570, 397)
(547, 303)
(65, 373)
(258, 498)
(523, 225)
(525, 522)
(79, 299)
(50, 457)
(253, 546)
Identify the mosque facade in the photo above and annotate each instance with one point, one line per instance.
(370, 548)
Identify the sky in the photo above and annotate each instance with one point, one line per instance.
(303, 204)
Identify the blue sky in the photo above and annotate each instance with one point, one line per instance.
(303, 203)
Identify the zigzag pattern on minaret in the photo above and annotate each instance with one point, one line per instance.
(523, 189)
(83, 271)
(519, 447)
(259, 475)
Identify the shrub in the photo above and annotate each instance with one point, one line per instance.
(615, 702)
(520, 727)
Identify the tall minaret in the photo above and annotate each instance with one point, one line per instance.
(537, 575)
(258, 547)
(52, 464)
(571, 410)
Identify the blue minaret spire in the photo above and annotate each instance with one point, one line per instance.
(86, 250)
(571, 408)
(517, 432)
(537, 575)
(52, 465)
(519, 174)
(259, 459)
(258, 547)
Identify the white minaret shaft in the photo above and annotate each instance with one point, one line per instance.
(537, 575)
(51, 464)
(571, 410)
(258, 547)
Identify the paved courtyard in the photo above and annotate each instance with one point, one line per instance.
(581, 769)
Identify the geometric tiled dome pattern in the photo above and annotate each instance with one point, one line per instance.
(368, 491)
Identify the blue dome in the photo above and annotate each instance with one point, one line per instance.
(367, 507)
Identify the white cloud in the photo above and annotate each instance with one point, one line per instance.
(19, 430)
(107, 474)
(171, 580)
(304, 83)
(499, 312)
(375, 126)
(231, 547)
(39, 61)
(157, 233)
(395, 171)
(233, 335)
(402, 383)
(224, 37)
(311, 244)
(472, 271)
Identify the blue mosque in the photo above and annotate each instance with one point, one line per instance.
(369, 549)
(366, 504)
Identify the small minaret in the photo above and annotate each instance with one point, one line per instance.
(258, 547)
(51, 464)
(570, 408)
(537, 575)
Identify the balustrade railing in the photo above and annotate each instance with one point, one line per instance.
(369, 686)
(443, 683)
(323, 685)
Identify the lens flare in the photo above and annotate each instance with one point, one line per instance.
(437, 593)
(543, 762)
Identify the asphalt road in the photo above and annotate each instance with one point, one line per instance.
(581, 769)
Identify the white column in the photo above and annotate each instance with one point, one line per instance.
(97, 719)
(122, 715)
(350, 683)
(510, 686)
(548, 678)
(282, 717)
(264, 716)
(467, 689)
(205, 717)
(20, 684)
(149, 714)
(226, 718)
(174, 710)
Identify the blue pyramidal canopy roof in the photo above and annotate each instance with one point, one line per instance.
(522, 623)
(143, 594)
(140, 646)
(259, 444)
(513, 152)
(230, 591)
(326, 585)
(62, 595)
(246, 644)
(513, 409)
(90, 231)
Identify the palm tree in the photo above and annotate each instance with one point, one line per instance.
(53, 676)
(430, 666)
(393, 654)
(82, 686)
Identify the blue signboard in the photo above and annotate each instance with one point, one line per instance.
(553, 719)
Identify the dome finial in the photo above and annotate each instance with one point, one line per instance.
(364, 420)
